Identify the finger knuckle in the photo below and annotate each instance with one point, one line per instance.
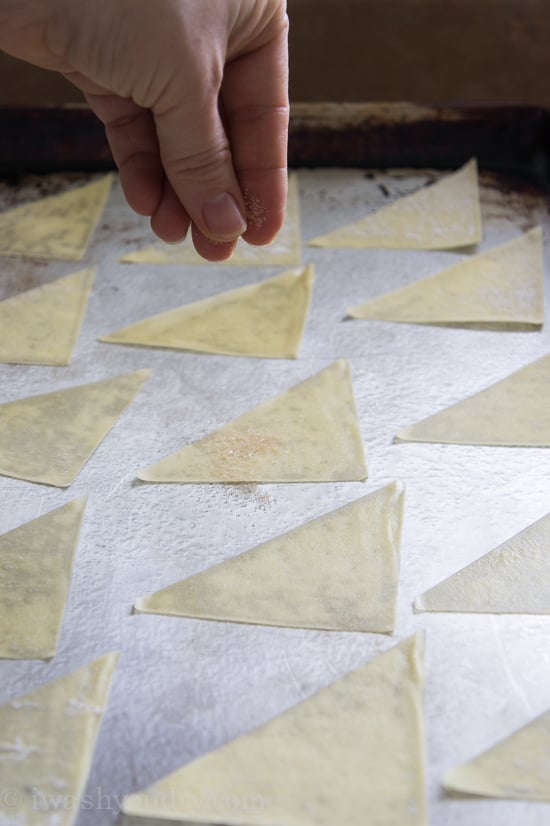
(259, 114)
(204, 165)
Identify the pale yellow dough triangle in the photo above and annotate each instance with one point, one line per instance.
(502, 285)
(58, 226)
(516, 768)
(352, 754)
(309, 433)
(512, 579)
(339, 572)
(41, 325)
(284, 251)
(445, 215)
(47, 741)
(35, 573)
(49, 438)
(514, 412)
(264, 320)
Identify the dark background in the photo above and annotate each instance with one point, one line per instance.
(430, 51)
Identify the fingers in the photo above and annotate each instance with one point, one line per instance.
(197, 161)
(256, 109)
(239, 170)
(134, 143)
(181, 164)
(170, 221)
(211, 250)
(135, 146)
(133, 140)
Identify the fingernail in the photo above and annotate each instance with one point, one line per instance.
(223, 217)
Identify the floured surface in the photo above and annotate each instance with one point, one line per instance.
(35, 574)
(373, 770)
(48, 438)
(283, 251)
(517, 768)
(264, 319)
(41, 326)
(184, 687)
(511, 579)
(338, 572)
(58, 226)
(445, 215)
(47, 740)
(309, 433)
(504, 285)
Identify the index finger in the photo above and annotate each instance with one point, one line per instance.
(255, 103)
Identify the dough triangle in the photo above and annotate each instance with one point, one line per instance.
(35, 574)
(284, 251)
(352, 754)
(338, 572)
(514, 412)
(445, 215)
(49, 438)
(41, 326)
(511, 579)
(47, 741)
(516, 768)
(58, 226)
(502, 285)
(265, 319)
(309, 433)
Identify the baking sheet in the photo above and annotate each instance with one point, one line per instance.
(184, 687)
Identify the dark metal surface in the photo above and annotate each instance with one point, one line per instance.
(346, 135)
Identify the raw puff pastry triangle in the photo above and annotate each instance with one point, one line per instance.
(503, 285)
(265, 320)
(444, 215)
(58, 226)
(35, 573)
(516, 768)
(514, 412)
(511, 579)
(41, 326)
(309, 433)
(338, 572)
(352, 754)
(49, 438)
(47, 741)
(284, 250)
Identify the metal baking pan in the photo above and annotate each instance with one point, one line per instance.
(184, 687)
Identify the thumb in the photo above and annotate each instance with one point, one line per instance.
(196, 157)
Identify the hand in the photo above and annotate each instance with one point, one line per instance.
(193, 95)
